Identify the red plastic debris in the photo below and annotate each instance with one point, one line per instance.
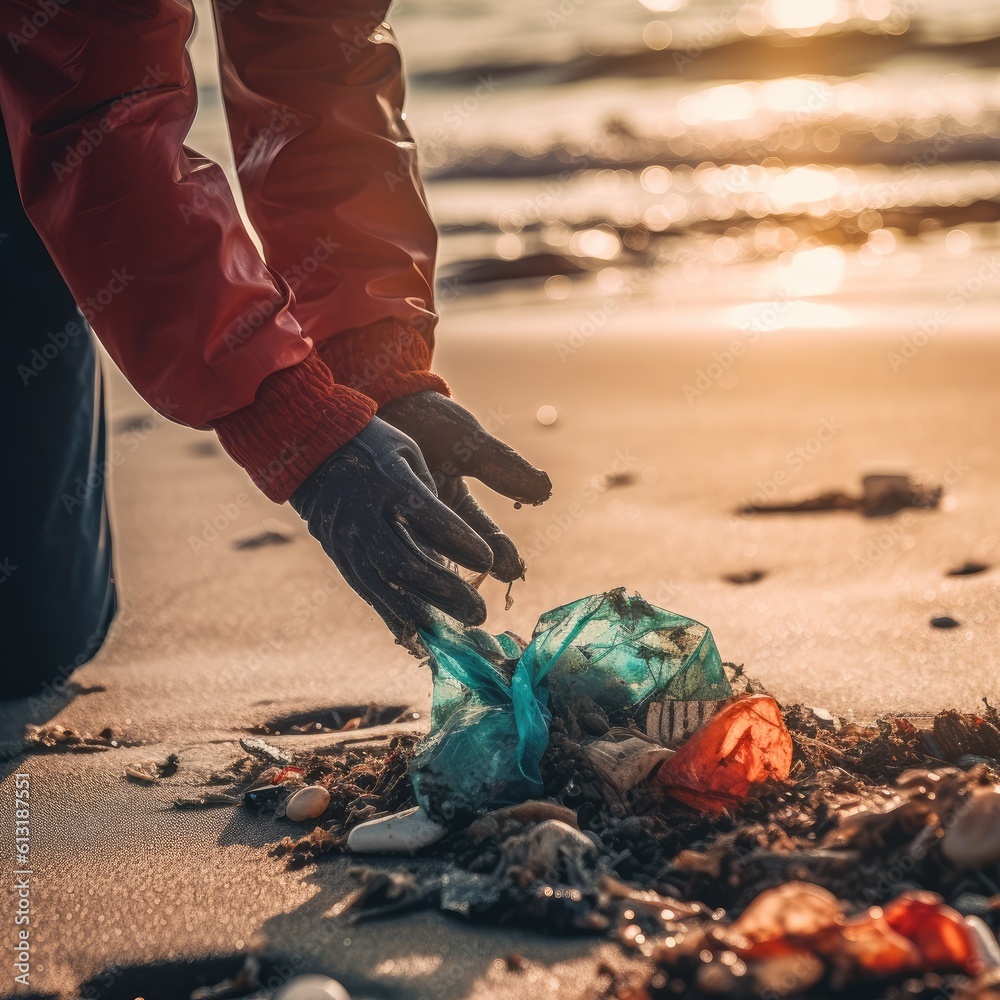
(741, 745)
(916, 932)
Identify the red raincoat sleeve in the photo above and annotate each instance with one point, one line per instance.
(97, 98)
(314, 93)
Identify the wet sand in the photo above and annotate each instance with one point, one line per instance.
(213, 639)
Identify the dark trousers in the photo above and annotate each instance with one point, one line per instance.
(57, 592)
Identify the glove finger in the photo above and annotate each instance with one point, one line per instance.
(406, 612)
(430, 522)
(422, 577)
(503, 470)
(507, 562)
(399, 620)
(418, 466)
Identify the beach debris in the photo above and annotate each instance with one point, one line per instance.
(882, 495)
(56, 738)
(150, 772)
(270, 533)
(945, 621)
(622, 765)
(208, 801)
(307, 803)
(501, 823)
(312, 987)
(972, 839)
(968, 569)
(743, 744)
(985, 943)
(747, 576)
(246, 980)
(405, 832)
(546, 851)
(258, 748)
(144, 773)
(491, 697)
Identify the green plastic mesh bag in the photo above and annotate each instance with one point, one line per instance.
(490, 707)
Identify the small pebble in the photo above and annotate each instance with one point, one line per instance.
(307, 803)
(945, 621)
(312, 988)
(547, 415)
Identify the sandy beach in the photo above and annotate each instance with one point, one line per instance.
(212, 639)
(694, 256)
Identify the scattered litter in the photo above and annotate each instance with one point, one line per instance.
(881, 496)
(742, 847)
(748, 576)
(307, 803)
(945, 621)
(270, 533)
(258, 748)
(207, 801)
(54, 738)
(312, 988)
(968, 569)
(743, 744)
(150, 772)
(404, 833)
(144, 773)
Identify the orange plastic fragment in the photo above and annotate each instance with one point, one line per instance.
(788, 919)
(938, 931)
(741, 745)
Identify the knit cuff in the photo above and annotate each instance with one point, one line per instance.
(299, 418)
(384, 360)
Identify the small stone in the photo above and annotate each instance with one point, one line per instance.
(307, 803)
(973, 840)
(312, 988)
(405, 833)
(945, 621)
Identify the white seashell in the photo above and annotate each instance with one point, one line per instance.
(312, 988)
(405, 833)
(307, 803)
(973, 839)
(623, 765)
(987, 949)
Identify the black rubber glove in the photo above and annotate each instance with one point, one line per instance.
(372, 507)
(455, 444)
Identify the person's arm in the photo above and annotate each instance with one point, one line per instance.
(97, 101)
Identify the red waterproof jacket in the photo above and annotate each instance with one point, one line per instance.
(286, 357)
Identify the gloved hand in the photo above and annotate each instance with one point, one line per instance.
(372, 507)
(455, 444)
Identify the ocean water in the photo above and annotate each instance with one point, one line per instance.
(778, 164)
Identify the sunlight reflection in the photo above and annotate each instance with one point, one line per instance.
(796, 15)
(812, 272)
(780, 314)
